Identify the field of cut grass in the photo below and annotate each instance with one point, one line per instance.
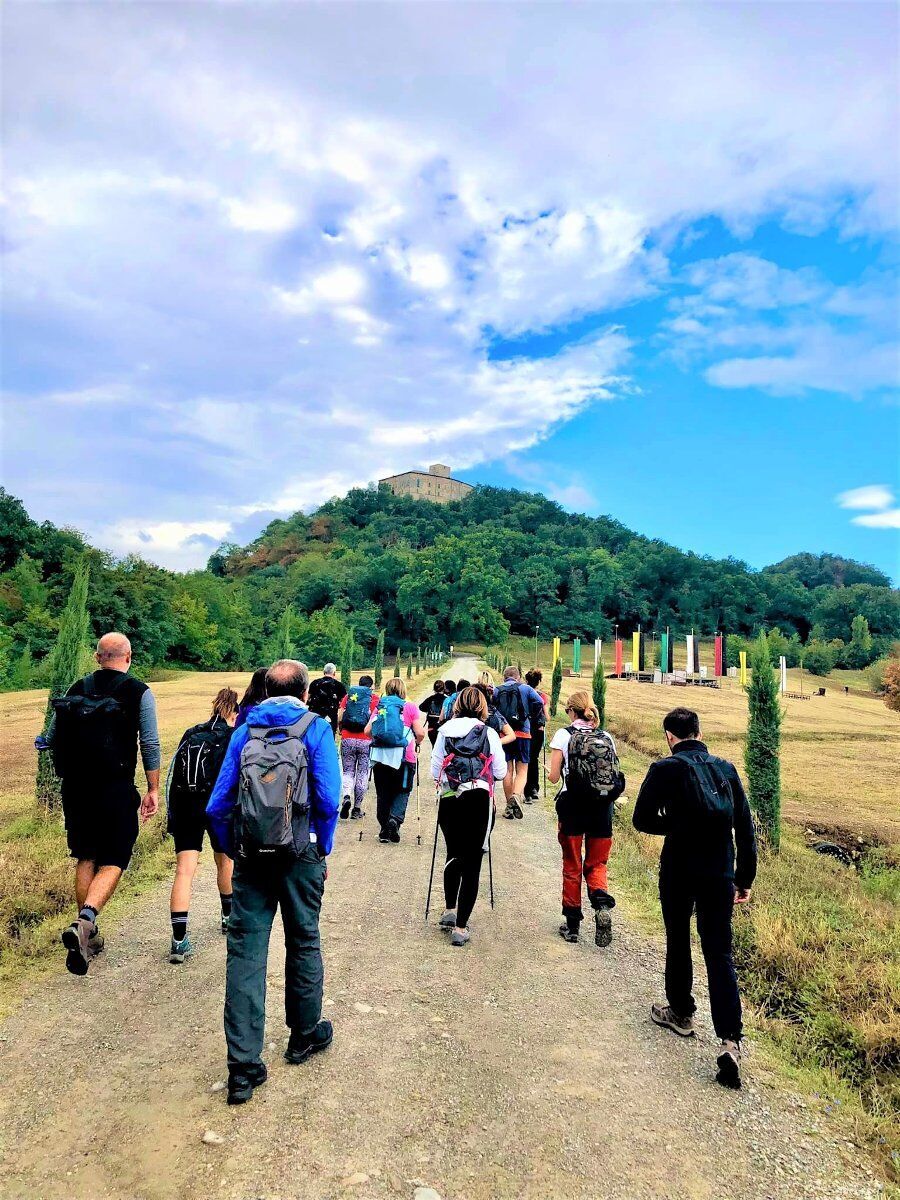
(36, 875)
(819, 946)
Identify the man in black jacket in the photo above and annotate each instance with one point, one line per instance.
(698, 803)
(326, 694)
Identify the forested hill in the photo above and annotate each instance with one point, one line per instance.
(498, 561)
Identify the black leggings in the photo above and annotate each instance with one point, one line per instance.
(532, 783)
(465, 821)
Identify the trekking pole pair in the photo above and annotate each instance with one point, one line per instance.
(434, 859)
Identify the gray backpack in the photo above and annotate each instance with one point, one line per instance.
(272, 816)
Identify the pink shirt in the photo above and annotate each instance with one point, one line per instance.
(410, 714)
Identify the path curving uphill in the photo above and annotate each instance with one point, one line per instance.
(519, 1066)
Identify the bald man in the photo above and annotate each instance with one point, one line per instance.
(94, 736)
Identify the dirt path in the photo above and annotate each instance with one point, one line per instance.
(519, 1066)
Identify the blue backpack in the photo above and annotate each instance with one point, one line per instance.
(388, 730)
(356, 712)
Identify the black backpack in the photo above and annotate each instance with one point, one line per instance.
(198, 758)
(709, 789)
(272, 816)
(468, 761)
(510, 703)
(324, 697)
(91, 734)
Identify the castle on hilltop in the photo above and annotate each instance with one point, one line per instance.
(434, 484)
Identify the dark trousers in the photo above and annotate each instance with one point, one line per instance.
(532, 781)
(392, 788)
(465, 821)
(259, 889)
(713, 900)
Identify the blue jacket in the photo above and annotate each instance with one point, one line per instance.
(324, 773)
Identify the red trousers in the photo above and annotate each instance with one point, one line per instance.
(587, 856)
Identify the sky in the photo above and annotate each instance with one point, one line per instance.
(642, 258)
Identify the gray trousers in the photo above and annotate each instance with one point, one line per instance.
(259, 888)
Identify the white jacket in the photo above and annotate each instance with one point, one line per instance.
(459, 727)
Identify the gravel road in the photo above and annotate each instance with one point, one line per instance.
(518, 1066)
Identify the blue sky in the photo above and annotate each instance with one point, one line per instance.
(642, 258)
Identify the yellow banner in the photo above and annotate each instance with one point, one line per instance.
(635, 652)
(555, 650)
(742, 654)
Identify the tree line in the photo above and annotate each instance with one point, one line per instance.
(499, 561)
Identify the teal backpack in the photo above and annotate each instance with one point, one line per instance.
(388, 730)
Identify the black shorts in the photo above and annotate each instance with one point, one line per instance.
(188, 823)
(101, 821)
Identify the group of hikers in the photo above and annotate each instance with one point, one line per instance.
(262, 777)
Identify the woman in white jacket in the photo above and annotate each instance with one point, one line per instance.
(466, 760)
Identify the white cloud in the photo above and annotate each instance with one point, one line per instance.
(175, 544)
(873, 495)
(890, 519)
(260, 215)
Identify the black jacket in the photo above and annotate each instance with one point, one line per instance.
(693, 848)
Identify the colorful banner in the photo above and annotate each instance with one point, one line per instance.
(598, 653)
(782, 663)
(637, 651)
(576, 656)
(618, 656)
(555, 652)
(692, 667)
(720, 656)
(742, 655)
(666, 654)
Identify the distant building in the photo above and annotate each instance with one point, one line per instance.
(434, 484)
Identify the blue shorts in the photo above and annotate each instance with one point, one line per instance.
(518, 751)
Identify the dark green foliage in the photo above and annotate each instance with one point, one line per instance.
(762, 751)
(379, 659)
(69, 660)
(598, 687)
(555, 687)
(409, 668)
(347, 661)
(818, 658)
(397, 665)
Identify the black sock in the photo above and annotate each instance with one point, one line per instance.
(179, 925)
(88, 914)
(225, 901)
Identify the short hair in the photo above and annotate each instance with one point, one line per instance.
(329, 669)
(395, 687)
(581, 703)
(225, 703)
(462, 684)
(439, 687)
(533, 677)
(511, 672)
(366, 681)
(449, 687)
(287, 677)
(471, 702)
(113, 646)
(682, 723)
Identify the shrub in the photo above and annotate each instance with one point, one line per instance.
(555, 686)
(598, 687)
(892, 685)
(818, 658)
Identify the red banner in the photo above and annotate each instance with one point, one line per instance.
(719, 657)
(618, 656)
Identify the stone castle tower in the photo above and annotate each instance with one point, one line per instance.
(434, 484)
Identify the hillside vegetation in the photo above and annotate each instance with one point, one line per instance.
(499, 561)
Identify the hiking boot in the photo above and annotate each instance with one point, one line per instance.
(729, 1063)
(603, 922)
(243, 1079)
(383, 835)
(509, 812)
(302, 1045)
(393, 830)
(517, 811)
(345, 808)
(568, 933)
(179, 951)
(663, 1014)
(459, 937)
(357, 814)
(76, 940)
(448, 919)
(96, 944)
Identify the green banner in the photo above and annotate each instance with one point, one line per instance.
(576, 656)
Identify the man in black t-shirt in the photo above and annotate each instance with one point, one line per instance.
(431, 709)
(326, 694)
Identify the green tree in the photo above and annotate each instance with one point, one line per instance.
(347, 661)
(418, 657)
(762, 750)
(859, 652)
(21, 673)
(68, 660)
(282, 643)
(379, 659)
(818, 658)
(409, 668)
(555, 687)
(598, 686)
(397, 665)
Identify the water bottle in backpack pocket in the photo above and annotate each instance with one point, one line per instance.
(272, 813)
(388, 729)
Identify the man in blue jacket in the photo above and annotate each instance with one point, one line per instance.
(293, 881)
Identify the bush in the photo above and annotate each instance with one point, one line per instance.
(818, 658)
(892, 685)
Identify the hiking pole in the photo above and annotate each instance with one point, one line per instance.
(544, 754)
(368, 785)
(433, 859)
(418, 805)
(491, 874)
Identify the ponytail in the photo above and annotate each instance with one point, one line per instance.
(581, 704)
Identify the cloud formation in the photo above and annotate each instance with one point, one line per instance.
(257, 254)
(884, 514)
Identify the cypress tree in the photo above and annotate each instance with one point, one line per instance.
(284, 635)
(598, 687)
(555, 686)
(409, 666)
(763, 744)
(397, 665)
(69, 659)
(347, 661)
(379, 659)
(418, 657)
